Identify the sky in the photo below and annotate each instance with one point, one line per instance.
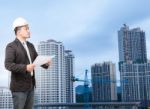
(87, 27)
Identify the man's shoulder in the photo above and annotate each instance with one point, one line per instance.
(11, 43)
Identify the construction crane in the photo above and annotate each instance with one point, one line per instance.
(86, 88)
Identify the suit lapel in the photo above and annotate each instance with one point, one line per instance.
(22, 48)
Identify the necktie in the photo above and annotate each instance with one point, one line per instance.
(28, 54)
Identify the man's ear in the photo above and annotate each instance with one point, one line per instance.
(18, 32)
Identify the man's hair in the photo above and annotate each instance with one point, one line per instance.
(17, 29)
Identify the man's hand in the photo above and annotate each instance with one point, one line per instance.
(30, 67)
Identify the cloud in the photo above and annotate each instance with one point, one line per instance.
(87, 27)
(99, 43)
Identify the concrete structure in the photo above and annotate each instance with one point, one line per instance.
(93, 105)
(69, 69)
(132, 45)
(133, 65)
(5, 98)
(54, 84)
(104, 82)
(135, 81)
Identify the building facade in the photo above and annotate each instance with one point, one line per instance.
(51, 82)
(135, 81)
(54, 84)
(104, 82)
(69, 69)
(133, 65)
(132, 45)
(5, 98)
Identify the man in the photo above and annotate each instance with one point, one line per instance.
(18, 59)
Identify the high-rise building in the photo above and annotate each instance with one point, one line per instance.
(135, 81)
(5, 98)
(69, 69)
(51, 82)
(104, 82)
(133, 66)
(54, 84)
(132, 45)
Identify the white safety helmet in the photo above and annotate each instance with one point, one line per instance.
(19, 22)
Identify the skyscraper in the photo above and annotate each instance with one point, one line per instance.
(135, 81)
(133, 66)
(69, 68)
(132, 45)
(54, 84)
(51, 83)
(104, 82)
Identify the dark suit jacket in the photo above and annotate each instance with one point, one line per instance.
(16, 60)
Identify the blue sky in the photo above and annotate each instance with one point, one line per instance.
(87, 27)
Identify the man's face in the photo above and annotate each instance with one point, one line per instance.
(24, 32)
